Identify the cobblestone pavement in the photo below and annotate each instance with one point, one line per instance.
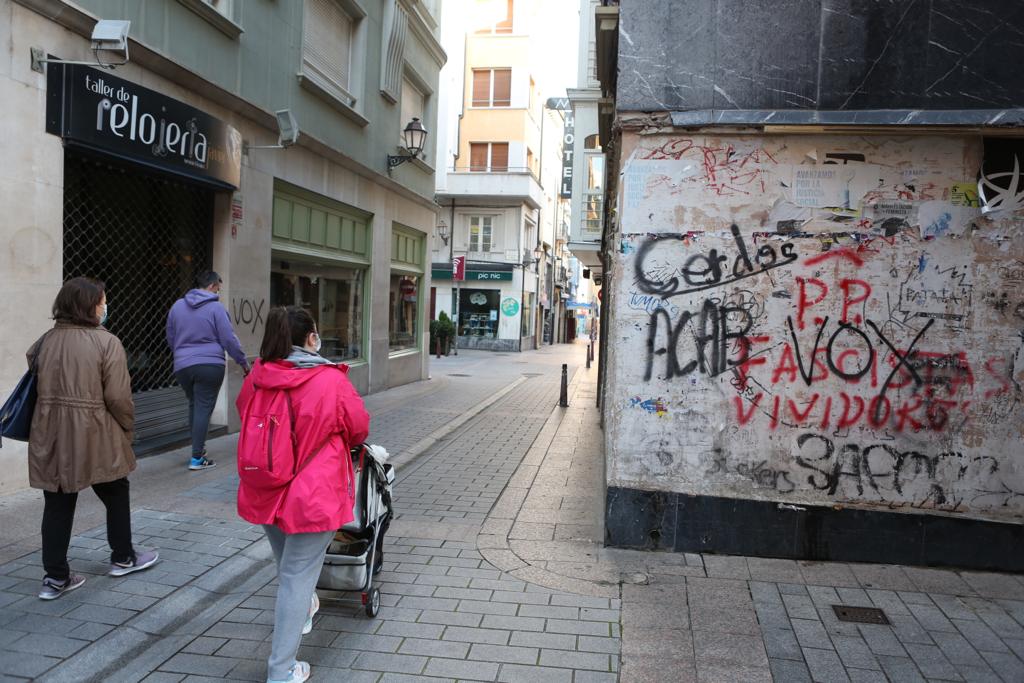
(495, 570)
(707, 618)
(204, 613)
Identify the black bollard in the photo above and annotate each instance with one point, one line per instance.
(563, 398)
(589, 356)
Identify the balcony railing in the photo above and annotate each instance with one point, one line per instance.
(490, 169)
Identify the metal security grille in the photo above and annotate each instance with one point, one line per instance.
(146, 237)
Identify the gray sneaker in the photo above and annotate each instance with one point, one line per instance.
(53, 589)
(143, 560)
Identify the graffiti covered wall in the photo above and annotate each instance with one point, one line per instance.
(819, 320)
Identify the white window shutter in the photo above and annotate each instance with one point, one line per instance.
(396, 28)
(327, 40)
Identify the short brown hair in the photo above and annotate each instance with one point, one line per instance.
(77, 300)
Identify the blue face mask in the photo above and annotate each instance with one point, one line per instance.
(103, 318)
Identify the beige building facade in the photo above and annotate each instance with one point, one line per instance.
(499, 188)
(322, 223)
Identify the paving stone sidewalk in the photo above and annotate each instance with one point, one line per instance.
(447, 614)
(687, 617)
(495, 570)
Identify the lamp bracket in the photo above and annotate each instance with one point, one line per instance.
(38, 58)
(399, 159)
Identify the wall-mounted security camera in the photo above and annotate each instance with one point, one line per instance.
(287, 132)
(109, 38)
(111, 35)
(287, 128)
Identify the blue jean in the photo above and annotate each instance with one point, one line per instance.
(201, 384)
(299, 560)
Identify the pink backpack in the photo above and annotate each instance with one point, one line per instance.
(268, 452)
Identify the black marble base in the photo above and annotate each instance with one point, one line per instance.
(658, 520)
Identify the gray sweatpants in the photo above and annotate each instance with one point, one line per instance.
(299, 560)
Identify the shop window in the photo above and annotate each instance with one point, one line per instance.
(478, 312)
(403, 307)
(331, 48)
(333, 295)
(488, 157)
(492, 87)
(481, 234)
(527, 319)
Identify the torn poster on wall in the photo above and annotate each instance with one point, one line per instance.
(829, 185)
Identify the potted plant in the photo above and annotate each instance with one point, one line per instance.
(442, 330)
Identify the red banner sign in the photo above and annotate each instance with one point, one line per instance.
(458, 268)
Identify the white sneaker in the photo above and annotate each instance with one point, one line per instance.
(313, 609)
(299, 673)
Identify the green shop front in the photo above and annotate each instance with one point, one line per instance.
(486, 305)
(320, 262)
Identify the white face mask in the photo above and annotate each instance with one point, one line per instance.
(317, 344)
(103, 317)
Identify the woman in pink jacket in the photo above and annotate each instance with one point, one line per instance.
(299, 517)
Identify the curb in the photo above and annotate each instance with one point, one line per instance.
(137, 647)
(424, 444)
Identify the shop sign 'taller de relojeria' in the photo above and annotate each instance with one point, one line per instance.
(93, 109)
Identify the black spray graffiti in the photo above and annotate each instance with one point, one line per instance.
(759, 472)
(704, 271)
(716, 326)
(884, 470)
(248, 312)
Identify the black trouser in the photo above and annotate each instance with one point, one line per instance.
(59, 516)
(201, 384)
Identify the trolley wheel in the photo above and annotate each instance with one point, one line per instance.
(373, 603)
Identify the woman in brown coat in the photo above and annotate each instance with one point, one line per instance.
(82, 432)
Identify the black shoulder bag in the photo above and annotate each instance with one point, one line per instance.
(16, 413)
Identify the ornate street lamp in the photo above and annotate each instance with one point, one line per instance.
(415, 136)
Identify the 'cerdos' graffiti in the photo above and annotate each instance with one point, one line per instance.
(704, 271)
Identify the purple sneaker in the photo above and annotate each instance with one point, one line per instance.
(142, 560)
(53, 589)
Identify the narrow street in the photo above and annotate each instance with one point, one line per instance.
(495, 570)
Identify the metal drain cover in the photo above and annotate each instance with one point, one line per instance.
(860, 615)
(458, 374)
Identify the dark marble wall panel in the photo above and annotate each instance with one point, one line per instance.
(688, 55)
(879, 57)
(666, 54)
(977, 53)
(658, 520)
(755, 59)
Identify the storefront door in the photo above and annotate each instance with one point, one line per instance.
(146, 237)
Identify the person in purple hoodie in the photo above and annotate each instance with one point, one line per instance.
(199, 332)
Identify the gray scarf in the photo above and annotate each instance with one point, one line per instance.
(301, 358)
